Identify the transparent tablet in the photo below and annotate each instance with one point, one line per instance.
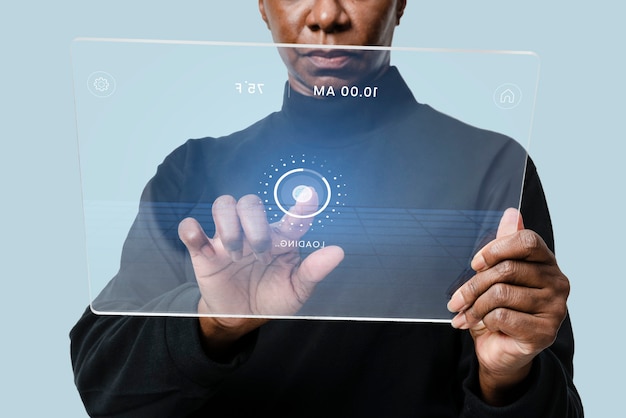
(359, 189)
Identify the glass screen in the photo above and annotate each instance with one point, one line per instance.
(294, 181)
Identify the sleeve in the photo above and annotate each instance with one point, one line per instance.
(136, 366)
(132, 366)
(550, 391)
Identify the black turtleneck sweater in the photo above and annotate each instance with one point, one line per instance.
(388, 153)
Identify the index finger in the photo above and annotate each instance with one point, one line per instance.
(256, 229)
(299, 218)
(227, 225)
(523, 245)
(512, 260)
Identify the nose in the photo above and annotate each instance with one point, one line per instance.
(328, 16)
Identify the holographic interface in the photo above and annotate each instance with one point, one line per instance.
(336, 182)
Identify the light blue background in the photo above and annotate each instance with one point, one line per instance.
(577, 144)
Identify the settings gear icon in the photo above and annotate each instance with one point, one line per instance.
(101, 84)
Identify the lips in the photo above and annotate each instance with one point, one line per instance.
(325, 59)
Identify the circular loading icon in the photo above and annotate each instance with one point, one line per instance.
(295, 186)
(290, 180)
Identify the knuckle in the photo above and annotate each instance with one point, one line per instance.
(470, 290)
(559, 290)
(564, 286)
(506, 269)
(560, 311)
(500, 315)
(501, 294)
(551, 305)
(529, 240)
(472, 314)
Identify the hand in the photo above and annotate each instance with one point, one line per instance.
(243, 270)
(513, 306)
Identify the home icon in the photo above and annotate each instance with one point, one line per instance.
(507, 97)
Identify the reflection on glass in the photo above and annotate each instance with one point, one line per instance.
(339, 165)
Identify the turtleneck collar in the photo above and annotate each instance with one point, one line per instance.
(341, 118)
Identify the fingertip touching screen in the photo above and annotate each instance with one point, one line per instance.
(294, 181)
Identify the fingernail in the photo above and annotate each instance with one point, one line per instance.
(460, 321)
(457, 302)
(478, 262)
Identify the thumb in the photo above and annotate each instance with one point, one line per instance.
(315, 268)
(510, 223)
(192, 235)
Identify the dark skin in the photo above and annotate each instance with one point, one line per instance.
(330, 22)
(514, 305)
(242, 270)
